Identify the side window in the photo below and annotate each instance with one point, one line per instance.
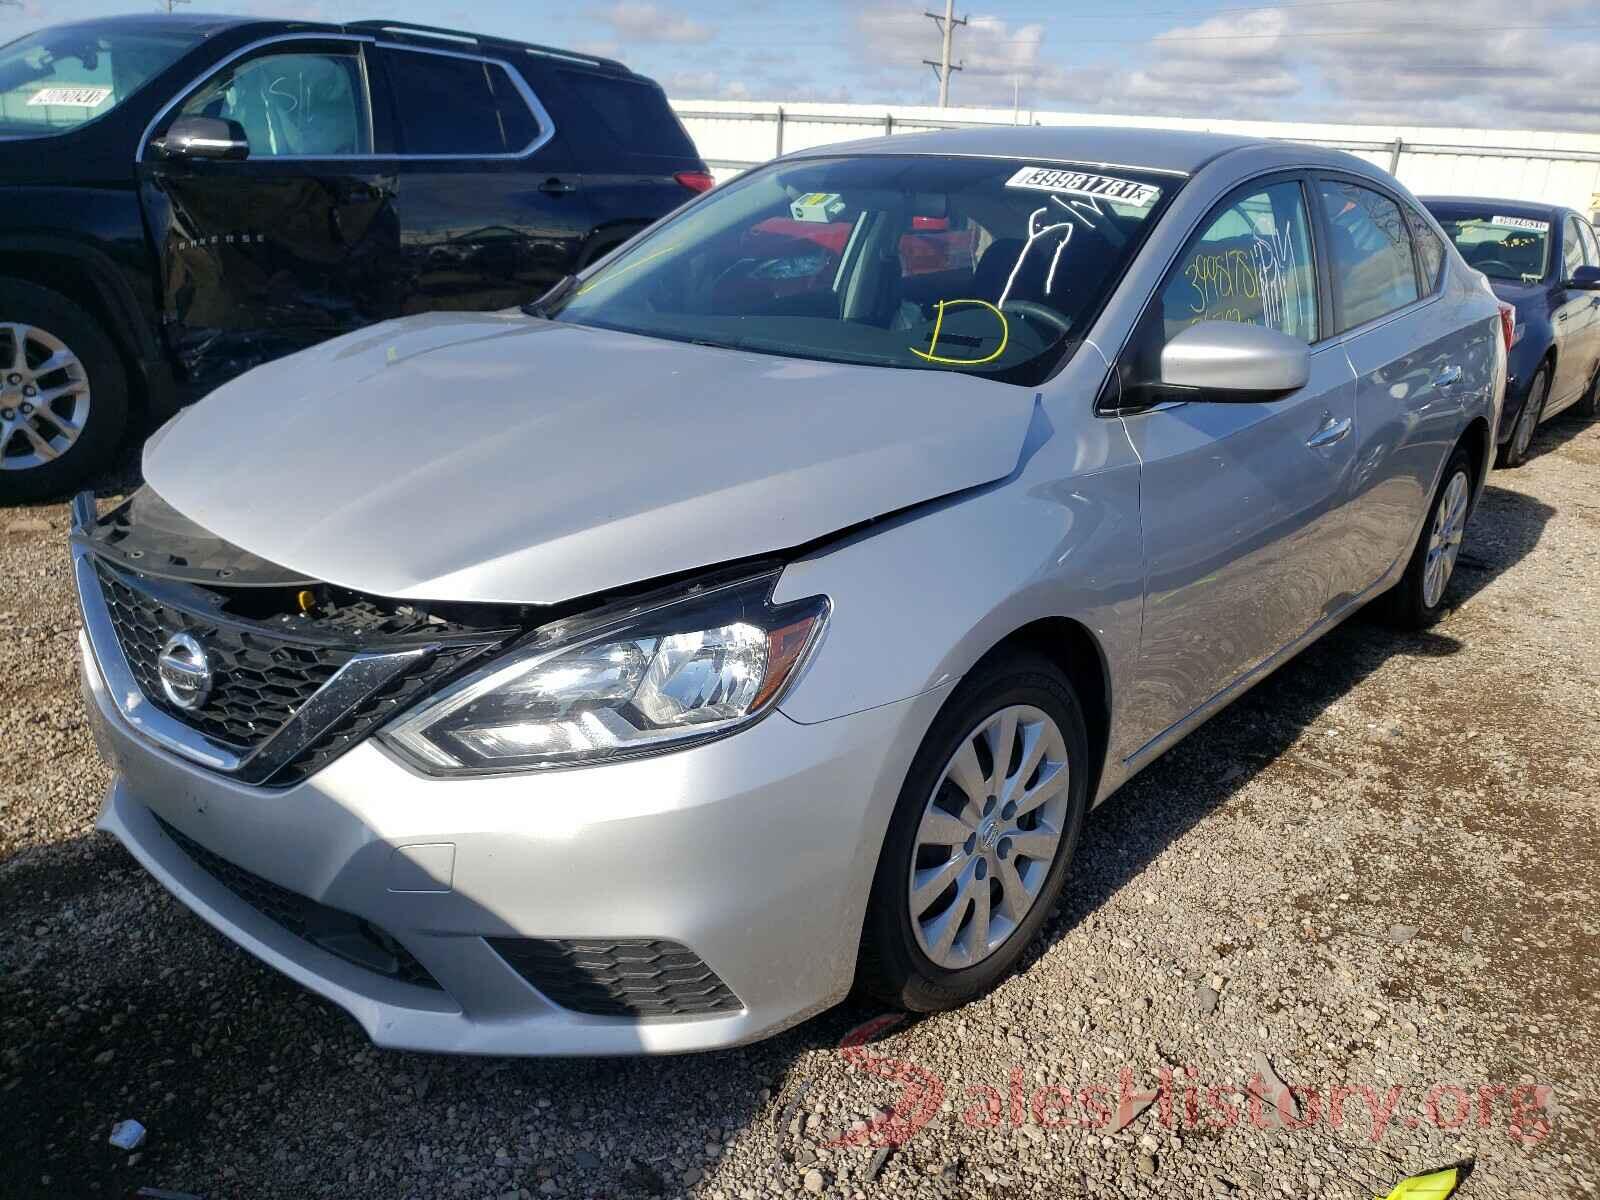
(1369, 253)
(452, 105)
(1591, 250)
(292, 105)
(1430, 250)
(1571, 249)
(1251, 263)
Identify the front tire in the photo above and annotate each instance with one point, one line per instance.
(1417, 601)
(63, 394)
(1515, 452)
(981, 838)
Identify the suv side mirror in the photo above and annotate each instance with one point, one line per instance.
(1585, 279)
(205, 137)
(1226, 360)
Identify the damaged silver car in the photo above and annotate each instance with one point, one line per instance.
(761, 613)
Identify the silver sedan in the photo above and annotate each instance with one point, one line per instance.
(763, 611)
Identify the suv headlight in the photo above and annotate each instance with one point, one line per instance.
(594, 689)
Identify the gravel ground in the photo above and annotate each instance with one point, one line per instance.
(1378, 871)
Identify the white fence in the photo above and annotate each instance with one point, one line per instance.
(1512, 164)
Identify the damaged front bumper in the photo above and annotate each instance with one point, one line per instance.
(691, 900)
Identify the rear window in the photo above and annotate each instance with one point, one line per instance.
(633, 112)
(61, 78)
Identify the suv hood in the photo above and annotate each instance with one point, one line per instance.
(510, 459)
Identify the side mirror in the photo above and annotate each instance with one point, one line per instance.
(205, 137)
(1585, 279)
(1226, 360)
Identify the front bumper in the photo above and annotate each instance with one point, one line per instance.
(756, 852)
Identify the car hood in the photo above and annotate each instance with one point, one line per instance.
(498, 457)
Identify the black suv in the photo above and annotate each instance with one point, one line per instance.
(184, 197)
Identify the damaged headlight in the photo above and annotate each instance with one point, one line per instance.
(681, 672)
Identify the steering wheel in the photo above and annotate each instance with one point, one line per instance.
(1041, 313)
(1484, 265)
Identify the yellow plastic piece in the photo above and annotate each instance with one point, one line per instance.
(938, 322)
(1435, 1185)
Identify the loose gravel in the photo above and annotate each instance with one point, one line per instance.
(1378, 871)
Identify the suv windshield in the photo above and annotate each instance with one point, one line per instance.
(59, 78)
(1500, 245)
(986, 266)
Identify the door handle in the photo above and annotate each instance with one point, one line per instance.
(1447, 377)
(1330, 432)
(556, 187)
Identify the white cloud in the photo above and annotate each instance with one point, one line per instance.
(633, 21)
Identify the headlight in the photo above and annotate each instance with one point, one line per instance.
(602, 688)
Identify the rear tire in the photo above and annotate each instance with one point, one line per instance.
(978, 833)
(1515, 452)
(1418, 600)
(63, 394)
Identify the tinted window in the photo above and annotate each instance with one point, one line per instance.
(985, 266)
(1571, 250)
(60, 78)
(450, 105)
(1369, 253)
(635, 114)
(1430, 250)
(1252, 264)
(292, 104)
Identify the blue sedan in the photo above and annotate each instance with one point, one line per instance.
(1543, 260)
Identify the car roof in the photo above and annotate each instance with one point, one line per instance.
(1511, 208)
(409, 32)
(1180, 151)
(203, 24)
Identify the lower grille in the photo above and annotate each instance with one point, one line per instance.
(339, 933)
(637, 978)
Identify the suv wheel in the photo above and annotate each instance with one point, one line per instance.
(981, 837)
(63, 394)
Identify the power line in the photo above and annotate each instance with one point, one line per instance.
(947, 28)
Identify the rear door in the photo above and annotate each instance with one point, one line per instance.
(491, 208)
(294, 244)
(1240, 503)
(1413, 359)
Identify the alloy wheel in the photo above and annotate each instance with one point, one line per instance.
(988, 836)
(44, 397)
(1528, 418)
(1444, 541)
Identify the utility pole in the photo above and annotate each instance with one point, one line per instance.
(947, 26)
(170, 3)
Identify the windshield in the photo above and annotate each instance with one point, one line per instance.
(990, 267)
(60, 78)
(1500, 245)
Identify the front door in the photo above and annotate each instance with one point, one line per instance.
(1240, 503)
(1577, 320)
(492, 211)
(296, 243)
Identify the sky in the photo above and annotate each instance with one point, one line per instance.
(1488, 63)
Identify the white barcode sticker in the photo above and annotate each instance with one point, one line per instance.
(1084, 183)
(1521, 223)
(71, 97)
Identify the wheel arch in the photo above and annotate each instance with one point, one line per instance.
(1072, 647)
(89, 279)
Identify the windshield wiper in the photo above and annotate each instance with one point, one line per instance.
(545, 304)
